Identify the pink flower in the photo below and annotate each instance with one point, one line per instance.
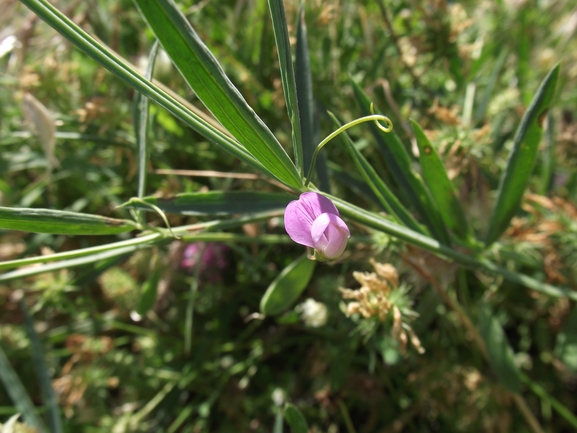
(313, 221)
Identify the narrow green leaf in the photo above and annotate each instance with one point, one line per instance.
(287, 287)
(145, 241)
(522, 158)
(219, 202)
(107, 58)
(42, 372)
(61, 222)
(440, 186)
(501, 355)
(307, 110)
(287, 75)
(384, 195)
(295, 419)
(64, 264)
(15, 389)
(205, 76)
(148, 293)
(399, 163)
(80, 252)
(141, 123)
(380, 223)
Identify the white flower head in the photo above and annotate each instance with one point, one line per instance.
(313, 313)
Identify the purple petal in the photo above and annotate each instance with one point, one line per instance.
(298, 223)
(300, 215)
(316, 204)
(329, 234)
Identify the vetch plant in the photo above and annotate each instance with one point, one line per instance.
(398, 194)
(314, 221)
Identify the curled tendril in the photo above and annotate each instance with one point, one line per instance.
(385, 119)
(373, 117)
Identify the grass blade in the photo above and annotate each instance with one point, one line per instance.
(205, 76)
(307, 110)
(287, 75)
(79, 261)
(44, 379)
(218, 202)
(384, 195)
(399, 164)
(141, 123)
(500, 353)
(440, 186)
(108, 59)
(61, 222)
(15, 389)
(522, 158)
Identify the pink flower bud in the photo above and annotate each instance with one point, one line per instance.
(313, 221)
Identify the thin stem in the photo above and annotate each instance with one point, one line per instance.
(372, 118)
(153, 207)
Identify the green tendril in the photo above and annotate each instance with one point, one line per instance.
(155, 208)
(372, 118)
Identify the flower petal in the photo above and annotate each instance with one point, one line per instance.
(316, 204)
(300, 215)
(298, 223)
(330, 235)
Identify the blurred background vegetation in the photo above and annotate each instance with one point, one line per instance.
(196, 362)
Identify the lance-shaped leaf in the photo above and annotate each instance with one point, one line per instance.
(522, 158)
(288, 286)
(441, 187)
(501, 355)
(381, 223)
(61, 222)
(287, 75)
(399, 163)
(217, 202)
(307, 111)
(205, 76)
(42, 372)
(17, 393)
(295, 419)
(141, 123)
